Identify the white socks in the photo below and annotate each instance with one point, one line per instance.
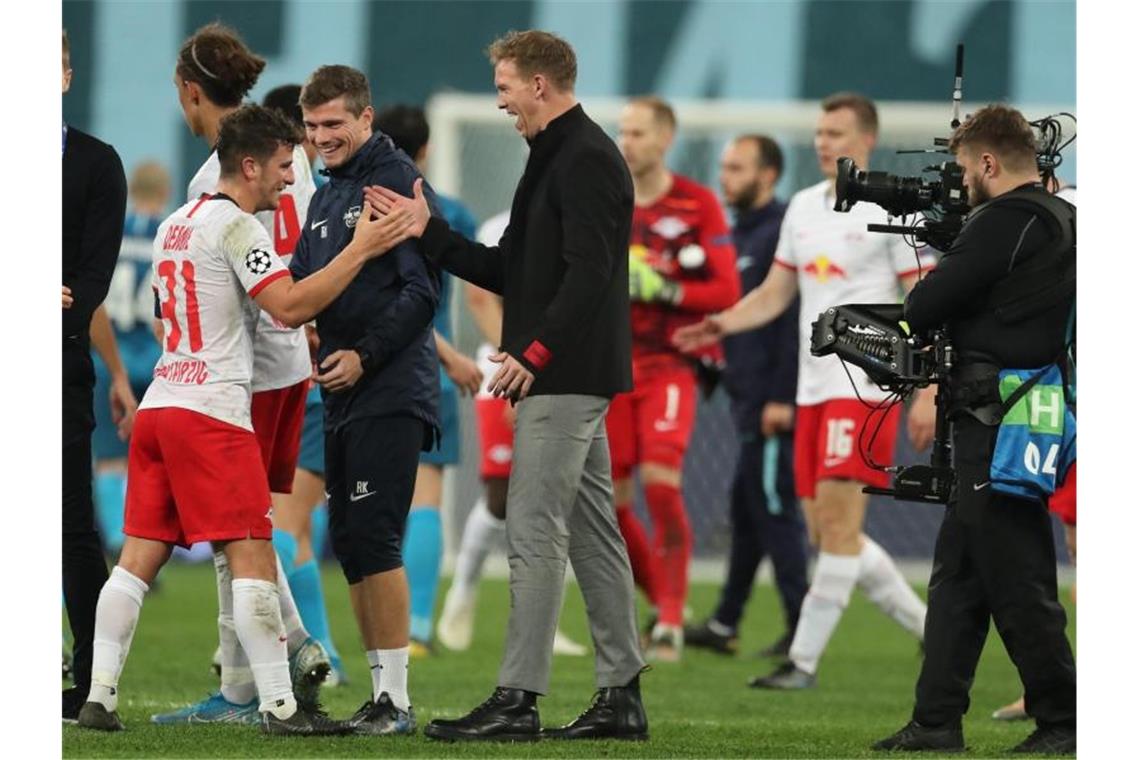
(831, 588)
(257, 621)
(480, 534)
(238, 683)
(389, 668)
(290, 616)
(116, 616)
(237, 679)
(884, 585)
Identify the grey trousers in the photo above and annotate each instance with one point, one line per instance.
(559, 506)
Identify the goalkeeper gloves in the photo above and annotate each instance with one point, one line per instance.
(647, 285)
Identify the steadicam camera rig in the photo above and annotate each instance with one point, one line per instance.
(874, 337)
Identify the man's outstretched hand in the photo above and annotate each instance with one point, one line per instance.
(377, 233)
(704, 333)
(388, 202)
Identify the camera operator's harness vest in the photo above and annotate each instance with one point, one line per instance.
(1032, 408)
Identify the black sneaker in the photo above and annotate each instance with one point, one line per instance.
(508, 715)
(381, 718)
(73, 700)
(704, 636)
(777, 650)
(1050, 740)
(304, 723)
(786, 677)
(615, 713)
(94, 715)
(914, 737)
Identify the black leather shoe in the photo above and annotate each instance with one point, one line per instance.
(914, 737)
(1050, 740)
(509, 715)
(615, 713)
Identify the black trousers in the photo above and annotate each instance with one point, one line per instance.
(766, 522)
(84, 568)
(370, 477)
(994, 558)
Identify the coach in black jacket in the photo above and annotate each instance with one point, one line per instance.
(94, 203)
(562, 269)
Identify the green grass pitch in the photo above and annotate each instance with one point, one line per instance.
(698, 708)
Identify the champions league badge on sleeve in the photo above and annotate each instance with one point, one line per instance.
(258, 261)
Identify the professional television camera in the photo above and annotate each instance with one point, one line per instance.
(874, 337)
(942, 200)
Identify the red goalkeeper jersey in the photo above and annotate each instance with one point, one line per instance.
(684, 237)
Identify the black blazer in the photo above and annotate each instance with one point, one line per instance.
(562, 265)
(94, 204)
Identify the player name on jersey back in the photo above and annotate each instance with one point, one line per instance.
(837, 261)
(280, 353)
(210, 260)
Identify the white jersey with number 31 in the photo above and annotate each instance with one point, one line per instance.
(210, 259)
(280, 353)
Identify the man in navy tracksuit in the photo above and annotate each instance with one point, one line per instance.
(761, 383)
(379, 375)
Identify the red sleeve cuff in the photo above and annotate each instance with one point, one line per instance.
(784, 264)
(261, 285)
(537, 355)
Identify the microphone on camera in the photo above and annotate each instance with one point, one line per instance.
(956, 97)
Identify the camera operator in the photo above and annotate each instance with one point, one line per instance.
(1004, 291)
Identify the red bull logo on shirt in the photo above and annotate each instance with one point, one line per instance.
(823, 269)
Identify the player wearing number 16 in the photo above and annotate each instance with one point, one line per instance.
(194, 470)
(829, 258)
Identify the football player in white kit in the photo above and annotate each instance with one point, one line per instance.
(214, 71)
(830, 258)
(195, 468)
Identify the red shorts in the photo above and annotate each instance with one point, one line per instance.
(827, 444)
(1063, 502)
(278, 416)
(496, 437)
(653, 422)
(193, 478)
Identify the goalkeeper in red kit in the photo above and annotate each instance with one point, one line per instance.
(682, 266)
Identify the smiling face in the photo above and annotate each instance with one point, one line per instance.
(271, 177)
(519, 97)
(335, 132)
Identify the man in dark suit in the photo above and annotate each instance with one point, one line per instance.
(562, 268)
(94, 204)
